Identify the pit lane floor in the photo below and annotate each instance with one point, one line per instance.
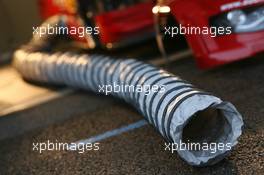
(138, 151)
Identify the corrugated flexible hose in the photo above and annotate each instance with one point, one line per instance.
(179, 111)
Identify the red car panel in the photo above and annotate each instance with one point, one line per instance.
(126, 23)
(136, 21)
(215, 51)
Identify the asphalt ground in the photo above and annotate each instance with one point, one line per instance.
(139, 151)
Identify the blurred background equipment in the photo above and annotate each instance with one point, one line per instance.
(126, 22)
(121, 22)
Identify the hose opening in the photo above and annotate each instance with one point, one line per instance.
(207, 126)
(208, 133)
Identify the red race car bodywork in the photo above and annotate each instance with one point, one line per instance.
(214, 51)
(135, 22)
(118, 27)
(127, 24)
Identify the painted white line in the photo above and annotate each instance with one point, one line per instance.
(171, 58)
(114, 132)
(17, 95)
(40, 99)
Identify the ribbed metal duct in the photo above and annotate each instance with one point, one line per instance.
(179, 111)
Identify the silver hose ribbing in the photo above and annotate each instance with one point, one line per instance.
(173, 112)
